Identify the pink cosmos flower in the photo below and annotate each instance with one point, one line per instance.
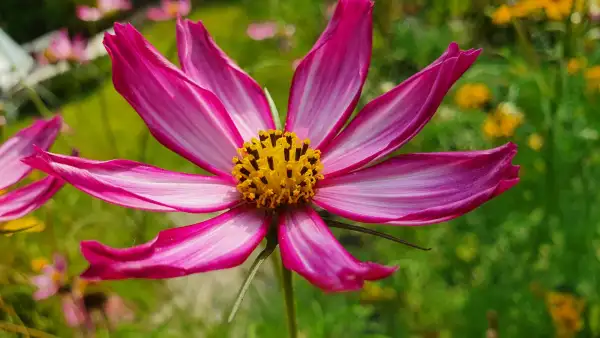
(21, 201)
(62, 48)
(169, 9)
(216, 116)
(103, 9)
(52, 278)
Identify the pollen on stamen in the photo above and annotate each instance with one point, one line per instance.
(276, 169)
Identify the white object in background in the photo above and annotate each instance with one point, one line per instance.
(15, 62)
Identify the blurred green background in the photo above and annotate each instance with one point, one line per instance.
(523, 265)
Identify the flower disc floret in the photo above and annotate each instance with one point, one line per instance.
(277, 169)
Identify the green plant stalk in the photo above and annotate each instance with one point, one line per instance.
(108, 131)
(262, 257)
(528, 49)
(290, 306)
(37, 101)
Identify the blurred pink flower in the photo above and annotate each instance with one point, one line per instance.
(103, 9)
(62, 48)
(215, 115)
(117, 311)
(169, 9)
(74, 311)
(53, 277)
(21, 201)
(269, 29)
(262, 30)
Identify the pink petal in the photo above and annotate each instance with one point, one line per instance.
(79, 49)
(328, 81)
(46, 286)
(420, 189)
(181, 115)
(158, 14)
(74, 311)
(309, 248)
(140, 186)
(41, 133)
(60, 45)
(391, 120)
(184, 7)
(218, 243)
(204, 62)
(86, 13)
(22, 201)
(59, 263)
(262, 30)
(107, 6)
(117, 311)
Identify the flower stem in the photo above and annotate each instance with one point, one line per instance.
(262, 257)
(37, 101)
(290, 306)
(106, 122)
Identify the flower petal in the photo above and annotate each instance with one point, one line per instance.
(218, 243)
(158, 14)
(391, 120)
(262, 30)
(420, 189)
(309, 248)
(46, 286)
(86, 13)
(74, 311)
(181, 115)
(204, 62)
(140, 186)
(22, 201)
(328, 81)
(41, 133)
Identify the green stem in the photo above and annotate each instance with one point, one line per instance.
(290, 306)
(527, 46)
(106, 123)
(262, 257)
(38, 102)
(108, 131)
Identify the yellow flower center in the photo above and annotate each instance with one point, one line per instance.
(277, 169)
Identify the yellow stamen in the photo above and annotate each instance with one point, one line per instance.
(277, 169)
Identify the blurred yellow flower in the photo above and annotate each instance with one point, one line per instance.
(525, 8)
(535, 141)
(557, 9)
(472, 96)
(565, 310)
(373, 292)
(37, 264)
(592, 77)
(503, 121)
(575, 65)
(24, 224)
(2, 192)
(502, 15)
